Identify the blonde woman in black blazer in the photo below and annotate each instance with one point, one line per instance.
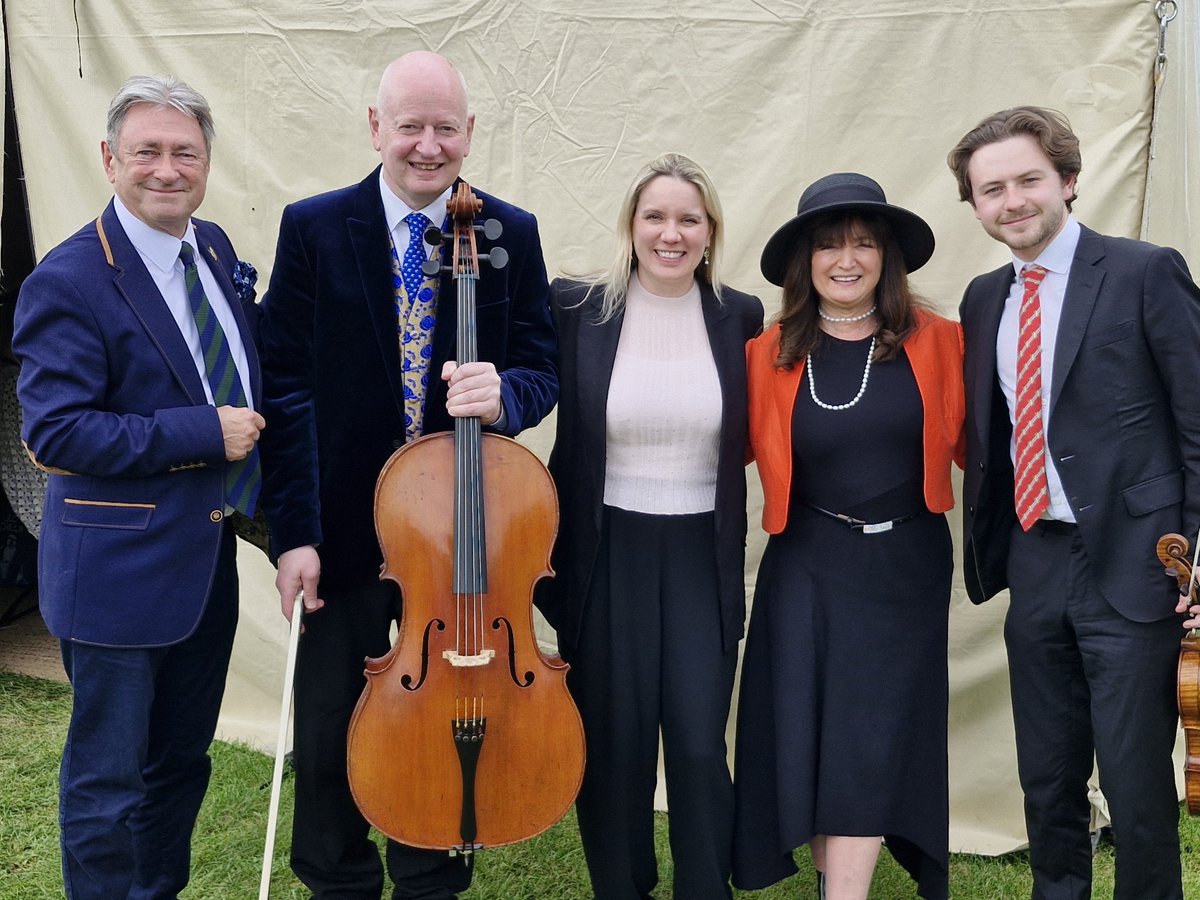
(649, 462)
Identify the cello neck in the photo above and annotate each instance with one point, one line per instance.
(470, 552)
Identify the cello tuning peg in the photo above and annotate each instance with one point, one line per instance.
(497, 256)
(433, 236)
(492, 229)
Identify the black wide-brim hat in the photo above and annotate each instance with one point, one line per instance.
(846, 192)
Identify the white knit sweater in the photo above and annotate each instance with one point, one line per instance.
(664, 408)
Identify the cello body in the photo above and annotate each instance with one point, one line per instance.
(465, 735)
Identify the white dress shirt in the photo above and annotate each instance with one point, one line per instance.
(1056, 259)
(160, 252)
(396, 210)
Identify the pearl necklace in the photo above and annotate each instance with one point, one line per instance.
(862, 389)
(828, 318)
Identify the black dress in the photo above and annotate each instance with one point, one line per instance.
(842, 712)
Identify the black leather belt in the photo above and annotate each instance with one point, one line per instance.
(862, 525)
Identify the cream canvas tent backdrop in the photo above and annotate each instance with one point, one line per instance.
(571, 97)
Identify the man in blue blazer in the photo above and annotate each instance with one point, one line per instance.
(137, 576)
(353, 369)
(1068, 518)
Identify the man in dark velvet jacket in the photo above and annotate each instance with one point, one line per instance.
(336, 377)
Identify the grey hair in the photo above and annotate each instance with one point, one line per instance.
(159, 90)
(613, 281)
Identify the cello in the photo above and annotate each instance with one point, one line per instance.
(465, 736)
(1172, 552)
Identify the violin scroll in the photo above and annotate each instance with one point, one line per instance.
(1173, 554)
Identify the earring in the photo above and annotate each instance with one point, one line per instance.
(706, 260)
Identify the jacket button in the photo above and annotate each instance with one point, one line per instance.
(216, 515)
(981, 465)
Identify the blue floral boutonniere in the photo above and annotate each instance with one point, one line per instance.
(245, 276)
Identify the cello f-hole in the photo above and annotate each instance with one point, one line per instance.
(406, 681)
(512, 654)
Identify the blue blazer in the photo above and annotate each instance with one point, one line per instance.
(334, 398)
(588, 351)
(1124, 424)
(115, 410)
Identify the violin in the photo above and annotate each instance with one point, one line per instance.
(465, 735)
(1173, 554)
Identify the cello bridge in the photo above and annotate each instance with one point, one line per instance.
(479, 659)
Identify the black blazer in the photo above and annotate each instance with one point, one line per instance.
(586, 354)
(1124, 422)
(332, 387)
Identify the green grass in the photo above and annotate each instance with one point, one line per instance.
(227, 850)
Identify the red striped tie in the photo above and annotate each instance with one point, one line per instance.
(1032, 497)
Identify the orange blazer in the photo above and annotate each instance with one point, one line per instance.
(935, 352)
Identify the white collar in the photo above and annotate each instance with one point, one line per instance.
(156, 247)
(395, 210)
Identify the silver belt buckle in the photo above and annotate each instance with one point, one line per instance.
(877, 527)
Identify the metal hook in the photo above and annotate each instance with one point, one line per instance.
(1165, 11)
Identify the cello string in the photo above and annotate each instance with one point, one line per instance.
(479, 544)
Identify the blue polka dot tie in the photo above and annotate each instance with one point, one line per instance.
(243, 478)
(416, 315)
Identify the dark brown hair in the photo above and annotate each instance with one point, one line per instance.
(1048, 127)
(798, 319)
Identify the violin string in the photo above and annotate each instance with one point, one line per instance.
(1195, 560)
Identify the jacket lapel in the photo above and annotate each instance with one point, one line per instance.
(992, 295)
(372, 255)
(727, 347)
(222, 271)
(137, 288)
(597, 354)
(596, 347)
(1083, 287)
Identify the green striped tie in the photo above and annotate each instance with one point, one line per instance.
(243, 477)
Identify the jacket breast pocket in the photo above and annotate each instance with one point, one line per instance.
(1112, 334)
(107, 514)
(1154, 493)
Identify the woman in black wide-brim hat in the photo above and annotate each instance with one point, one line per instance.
(856, 413)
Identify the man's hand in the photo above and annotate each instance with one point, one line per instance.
(299, 570)
(240, 427)
(1190, 605)
(474, 390)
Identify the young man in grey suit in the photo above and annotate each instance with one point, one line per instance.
(1069, 484)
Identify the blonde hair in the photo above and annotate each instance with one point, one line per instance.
(613, 281)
